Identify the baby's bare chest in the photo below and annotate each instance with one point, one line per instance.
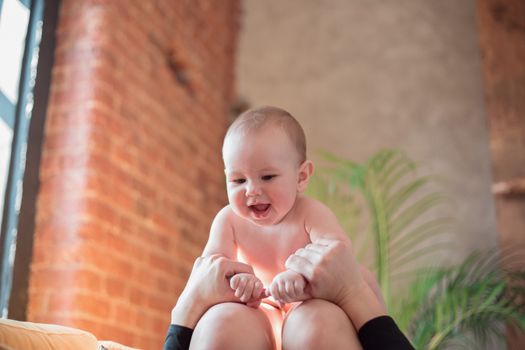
(266, 249)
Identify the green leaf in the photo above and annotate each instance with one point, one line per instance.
(464, 304)
(397, 199)
(414, 211)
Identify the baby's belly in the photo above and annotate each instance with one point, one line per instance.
(267, 264)
(267, 253)
(265, 269)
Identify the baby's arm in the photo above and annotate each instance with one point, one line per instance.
(221, 240)
(321, 222)
(247, 286)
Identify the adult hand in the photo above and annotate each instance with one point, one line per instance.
(207, 285)
(330, 268)
(334, 275)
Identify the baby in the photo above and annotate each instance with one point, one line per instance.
(268, 218)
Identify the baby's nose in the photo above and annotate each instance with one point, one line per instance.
(252, 189)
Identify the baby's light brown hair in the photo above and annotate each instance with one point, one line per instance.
(257, 118)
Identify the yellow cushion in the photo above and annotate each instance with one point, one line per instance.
(111, 345)
(17, 335)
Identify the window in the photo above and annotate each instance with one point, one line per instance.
(20, 32)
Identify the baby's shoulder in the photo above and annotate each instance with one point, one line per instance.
(226, 216)
(311, 206)
(224, 213)
(318, 216)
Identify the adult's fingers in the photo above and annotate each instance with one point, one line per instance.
(239, 267)
(226, 263)
(312, 247)
(300, 265)
(230, 267)
(310, 254)
(311, 260)
(328, 242)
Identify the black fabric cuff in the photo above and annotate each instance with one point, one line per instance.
(178, 338)
(382, 333)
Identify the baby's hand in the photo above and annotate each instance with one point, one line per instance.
(248, 288)
(287, 287)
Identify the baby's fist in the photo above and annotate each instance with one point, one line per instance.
(248, 288)
(288, 287)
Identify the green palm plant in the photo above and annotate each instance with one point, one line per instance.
(443, 304)
(467, 303)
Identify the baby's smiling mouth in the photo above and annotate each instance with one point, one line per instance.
(260, 209)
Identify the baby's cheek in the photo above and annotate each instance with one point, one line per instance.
(238, 205)
(232, 198)
(286, 201)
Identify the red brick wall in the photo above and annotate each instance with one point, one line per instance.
(131, 174)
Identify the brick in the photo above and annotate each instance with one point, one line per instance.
(116, 287)
(74, 277)
(93, 305)
(123, 313)
(38, 303)
(131, 172)
(137, 297)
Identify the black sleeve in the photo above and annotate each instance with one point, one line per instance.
(178, 338)
(383, 333)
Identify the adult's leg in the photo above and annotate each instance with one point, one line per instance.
(233, 326)
(318, 324)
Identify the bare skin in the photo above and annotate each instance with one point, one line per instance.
(207, 286)
(267, 221)
(334, 275)
(208, 300)
(334, 278)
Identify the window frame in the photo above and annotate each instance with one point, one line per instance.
(18, 220)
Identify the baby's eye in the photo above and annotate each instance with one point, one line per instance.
(268, 177)
(239, 181)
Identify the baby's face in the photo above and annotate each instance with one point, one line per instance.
(262, 169)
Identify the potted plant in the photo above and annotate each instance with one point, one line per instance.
(389, 210)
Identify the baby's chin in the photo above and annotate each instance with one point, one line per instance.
(260, 222)
(269, 221)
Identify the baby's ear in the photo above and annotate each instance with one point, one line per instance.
(305, 171)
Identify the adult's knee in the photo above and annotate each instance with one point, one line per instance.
(232, 326)
(318, 324)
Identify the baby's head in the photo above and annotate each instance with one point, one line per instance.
(264, 155)
(256, 119)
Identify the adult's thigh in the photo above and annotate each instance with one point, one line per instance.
(233, 326)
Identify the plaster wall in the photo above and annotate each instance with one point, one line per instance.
(363, 75)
